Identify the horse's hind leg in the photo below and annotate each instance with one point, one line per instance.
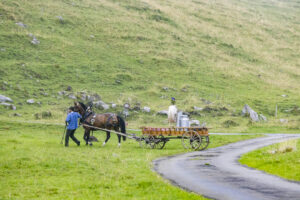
(119, 138)
(85, 137)
(107, 138)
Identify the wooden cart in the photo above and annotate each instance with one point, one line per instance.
(196, 138)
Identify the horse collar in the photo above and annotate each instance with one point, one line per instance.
(93, 119)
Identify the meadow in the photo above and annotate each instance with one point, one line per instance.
(217, 55)
(275, 159)
(34, 165)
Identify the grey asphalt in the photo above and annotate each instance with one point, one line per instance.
(217, 174)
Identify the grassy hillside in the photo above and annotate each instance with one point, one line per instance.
(227, 52)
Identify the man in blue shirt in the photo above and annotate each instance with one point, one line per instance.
(72, 121)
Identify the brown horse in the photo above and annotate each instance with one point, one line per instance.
(108, 121)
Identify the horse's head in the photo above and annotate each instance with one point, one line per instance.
(79, 107)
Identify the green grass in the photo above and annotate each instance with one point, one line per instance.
(34, 165)
(230, 53)
(286, 165)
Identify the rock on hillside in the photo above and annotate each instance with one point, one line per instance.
(101, 105)
(247, 110)
(5, 99)
(162, 112)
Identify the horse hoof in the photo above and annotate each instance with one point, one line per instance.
(91, 144)
(103, 144)
(119, 145)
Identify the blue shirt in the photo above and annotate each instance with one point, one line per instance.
(72, 120)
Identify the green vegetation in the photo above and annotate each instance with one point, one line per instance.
(34, 165)
(281, 159)
(229, 53)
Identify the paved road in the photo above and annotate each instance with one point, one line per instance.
(216, 173)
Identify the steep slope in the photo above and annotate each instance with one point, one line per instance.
(228, 52)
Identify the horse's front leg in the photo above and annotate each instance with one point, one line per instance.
(119, 137)
(87, 137)
(107, 138)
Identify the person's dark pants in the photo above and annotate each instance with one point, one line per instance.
(70, 133)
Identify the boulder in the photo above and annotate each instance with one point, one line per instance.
(284, 121)
(118, 82)
(247, 110)
(35, 41)
(61, 19)
(262, 117)
(206, 101)
(83, 96)
(13, 107)
(93, 97)
(44, 94)
(113, 105)
(184, 89)
(197, 108)
(30, 101)
(125, 113)
(165, 88)
(194, 122)
(17, 115)
(209, 109)
(87, 97)
(21, 24)
(146, 109)
(5, 99)
(8, 105)
(72, 96)
(101, 105)
(61, 93)
(137, 107)
(126, 105)
(162, 112)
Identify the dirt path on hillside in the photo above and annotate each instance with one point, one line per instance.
(216, 173)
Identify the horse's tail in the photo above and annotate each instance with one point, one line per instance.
(123, 126)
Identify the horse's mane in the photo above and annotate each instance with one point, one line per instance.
(82, 105)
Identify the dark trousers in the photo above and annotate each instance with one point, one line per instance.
(70, 133)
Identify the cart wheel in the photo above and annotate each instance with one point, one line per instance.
(142, 141)
(204, 143)
(159, 142)
(191, 139)
(145, 141)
